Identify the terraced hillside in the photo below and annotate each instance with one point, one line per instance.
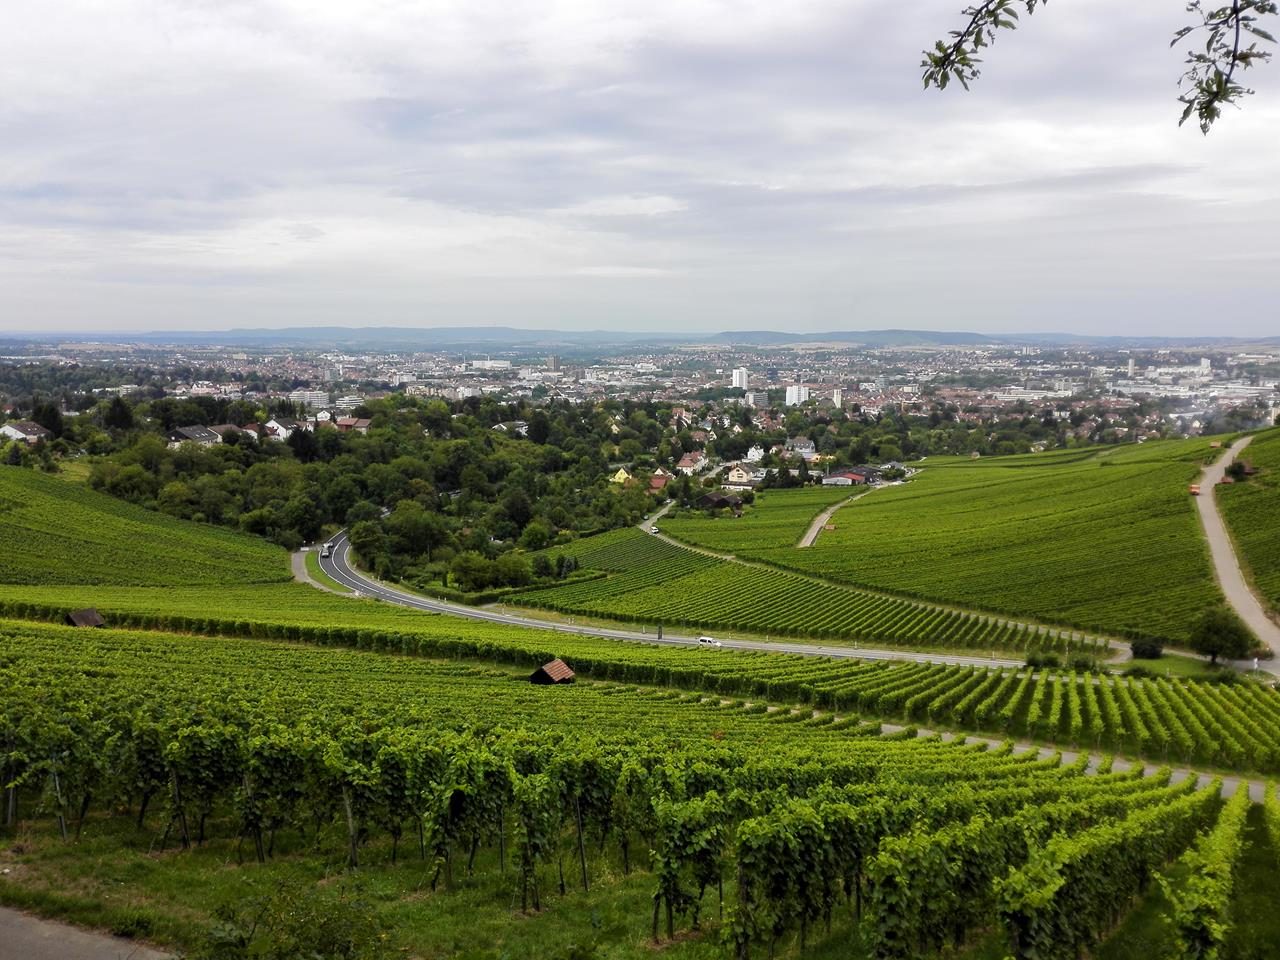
(1252, 513)
(610, 814)
(655, 582)
(1100, 539)
(57, 532)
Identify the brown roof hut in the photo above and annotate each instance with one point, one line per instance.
(85, 618)
(557, 671)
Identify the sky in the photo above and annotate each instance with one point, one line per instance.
(647, 165)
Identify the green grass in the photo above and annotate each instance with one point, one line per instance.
(1176, 665)
(1102, 540)
(1252, 513)
(60, 532)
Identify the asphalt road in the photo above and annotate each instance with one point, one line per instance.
(340, 567)
(24, 937)
(1226, 565)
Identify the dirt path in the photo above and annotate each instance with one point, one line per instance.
(824, 518)
(1226, 565)
(24, 937)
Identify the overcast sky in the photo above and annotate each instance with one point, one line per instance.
(620, 164)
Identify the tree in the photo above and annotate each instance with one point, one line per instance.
(1220, 633)
(1210, 78)
(119, 415)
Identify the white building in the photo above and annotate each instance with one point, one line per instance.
(348, 403)
(311, 398)
(837, 397)
(797, 394)
(740, 378)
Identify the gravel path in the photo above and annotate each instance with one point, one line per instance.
(824, 518)
(1226, 565)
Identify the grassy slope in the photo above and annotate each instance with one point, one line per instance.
(1252, 512)
(59, 532)
(1105, 540)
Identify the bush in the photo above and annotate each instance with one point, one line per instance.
(132, 924)
(1146, 648)
(293, 922)
(1083, 664)
(1141, 672)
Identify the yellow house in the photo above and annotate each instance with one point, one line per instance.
(621, 476)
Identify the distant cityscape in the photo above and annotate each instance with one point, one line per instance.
(1176, 391)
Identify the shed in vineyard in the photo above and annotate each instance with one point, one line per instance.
(88, 617)
(557, 671)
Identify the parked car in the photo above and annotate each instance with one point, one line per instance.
(709, 642)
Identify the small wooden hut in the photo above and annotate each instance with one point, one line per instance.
(89, 617)
(557, 671)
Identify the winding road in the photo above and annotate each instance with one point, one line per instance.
(340, 567)
(1226, 565)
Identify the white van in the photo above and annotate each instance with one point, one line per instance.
(708, 642)
(326, 550)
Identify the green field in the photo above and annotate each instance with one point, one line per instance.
(777, 519)
(1102, 540)
(651, 581)
(1252, 513)
(59, 532)
(476, 815)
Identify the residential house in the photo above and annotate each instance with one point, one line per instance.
(282, 428)
(201, 436)
(755, 454)
(691, 463)
(26, 431)
(715, 500)
(801, 447)
(352, 424)
(622, 476)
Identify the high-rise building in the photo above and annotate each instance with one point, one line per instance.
(553, 363)
(310, 398)
(1205, 365)
(797, 394)
(740, 378)
(756, 398)
(1132, 367)
(837, 397)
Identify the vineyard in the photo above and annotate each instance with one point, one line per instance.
(1100, 541)
(1252, 513)
(655, 582)
(1235, 725)
(460, 794)
(776, 520)
(56, 532)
